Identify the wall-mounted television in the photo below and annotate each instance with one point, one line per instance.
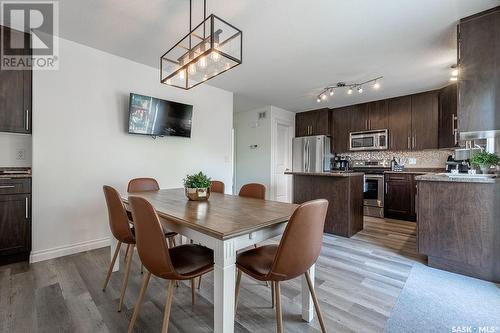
(157, 117)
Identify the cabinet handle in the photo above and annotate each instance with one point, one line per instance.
(414, 140)
(6, 186)
(454, 128)
(385, 188)
(26, 206)
(408, 143)
(27, 119)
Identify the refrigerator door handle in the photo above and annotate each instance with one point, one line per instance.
(304, 154)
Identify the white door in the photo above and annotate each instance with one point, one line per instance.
(282, 184)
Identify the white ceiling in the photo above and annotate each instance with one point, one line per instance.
(291, 48)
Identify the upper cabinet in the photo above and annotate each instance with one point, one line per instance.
(448, 131)
(399, 123)
(316, 122)
(15, 93)
(359, 118)
(479, 72)
(424, 120)
(378, 112)
(340, 129)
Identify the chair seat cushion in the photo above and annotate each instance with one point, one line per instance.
(168, 234)
(191, 259)
(257, 262)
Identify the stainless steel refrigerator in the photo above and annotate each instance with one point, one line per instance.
(311, 154)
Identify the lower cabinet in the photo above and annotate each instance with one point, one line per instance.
(399, 196)
(15, 220)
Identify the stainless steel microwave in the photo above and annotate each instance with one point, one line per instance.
(369, 140)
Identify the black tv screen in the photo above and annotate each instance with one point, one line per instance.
(158, 117)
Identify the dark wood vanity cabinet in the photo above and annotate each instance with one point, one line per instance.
(15, 220)
(447, 124)
(15, 93)
(479, 72)
(316, 122)
(399, 196)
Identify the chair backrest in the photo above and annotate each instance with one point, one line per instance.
(253, 190)
(217, 186)
(302, 239)
(150, 239)
(118, 219)
(143, 185)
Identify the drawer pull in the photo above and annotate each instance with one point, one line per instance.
(26, 206)
(6, 186)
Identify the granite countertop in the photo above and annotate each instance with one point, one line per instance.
(439, 177)
(327, 173)
(418, 170)
(15, 176)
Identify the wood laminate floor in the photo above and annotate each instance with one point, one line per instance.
(357, 280)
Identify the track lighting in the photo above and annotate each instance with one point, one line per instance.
(453, 79)
(350, 88)
(454, 72)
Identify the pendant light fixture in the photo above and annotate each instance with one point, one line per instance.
(209, 49)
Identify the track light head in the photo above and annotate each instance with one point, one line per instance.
(360, 89)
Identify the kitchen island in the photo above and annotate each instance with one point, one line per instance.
(344, 192)
(458, 224)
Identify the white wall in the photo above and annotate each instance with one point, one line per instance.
(10, 144)
(80, 114)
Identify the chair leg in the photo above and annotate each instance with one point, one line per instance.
(315, 301)
(237, 291)
(125, 279)
(140, 299)
(279, 318)
(273, 296)
(110, 270)
(168, 305)
(126, 253)
(142, 268)
(173, 241)
(193, 296)
(199, 282)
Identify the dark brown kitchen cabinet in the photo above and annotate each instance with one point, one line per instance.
(424, 120)
(447, 124)
(340, 129)
(359, 118)
(15, 92)
(399, 196)
(316, 122)
(399, 123)
(479, 72)
(378, 115)
(15, 220)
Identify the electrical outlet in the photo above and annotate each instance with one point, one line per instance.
(412, 161)
(21, 155)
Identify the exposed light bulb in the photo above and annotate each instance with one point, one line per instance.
(182, 74)
(453, 79)
(215, 56)
(323, 97)
(376, 85)
(360, 90)
(192, 68)
(349, 92)
(169, 81)
(202, 62)
(331, 92)
(318, 100)
(454, 72)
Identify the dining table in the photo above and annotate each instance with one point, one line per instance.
(226, 224)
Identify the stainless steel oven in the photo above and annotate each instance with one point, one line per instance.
(373, 188)
(369, 140)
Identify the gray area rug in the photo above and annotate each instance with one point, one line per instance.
(438, 301)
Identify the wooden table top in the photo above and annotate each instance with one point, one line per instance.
(223, 216)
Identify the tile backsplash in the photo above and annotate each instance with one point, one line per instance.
(423, 158)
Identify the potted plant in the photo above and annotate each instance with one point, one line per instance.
(197, 186)
(485, 161)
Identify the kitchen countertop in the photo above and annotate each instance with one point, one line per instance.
(418, 170)
(14, 176)
(436, 177)
(326, 174)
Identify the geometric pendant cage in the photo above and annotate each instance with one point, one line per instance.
(211, 48)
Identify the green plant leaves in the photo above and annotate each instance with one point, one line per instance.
(485, 158)
(197, 180)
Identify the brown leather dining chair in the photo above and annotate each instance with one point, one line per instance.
(183, 262)
(297, 251)
(253, 190)
(121, 230)
(217, 186)
(149, 185)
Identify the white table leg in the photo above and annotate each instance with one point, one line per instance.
(114, 244)
(224, 284)
(307, 301)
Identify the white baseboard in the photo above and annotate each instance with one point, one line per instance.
(61, 251)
